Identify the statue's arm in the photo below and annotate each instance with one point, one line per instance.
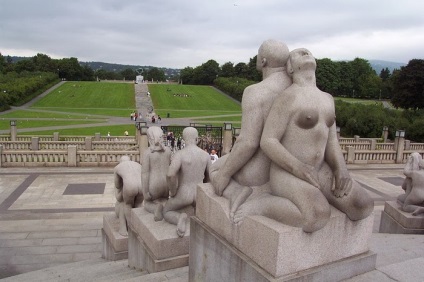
(274, 130)
(145, 174)
(334, 158)
(172, 175)
(247, 142)
(208, 165)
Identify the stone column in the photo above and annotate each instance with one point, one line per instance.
(400, 149)
(356, 138)
(1, 152)
(385, 134)
(88, 144)
(97, 137)
(35, 145)
(407, 145)
(373, 144)
(227, 140)
(13, 130)
(143, 145)
(55, 136)
(72, 156)
(350, 154)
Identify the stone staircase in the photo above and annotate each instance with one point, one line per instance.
(99, 270)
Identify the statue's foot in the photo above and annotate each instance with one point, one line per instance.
(418, 211)
(246, 209)
(239, 200)
(123, 232)
(158, 215)
(181, 226)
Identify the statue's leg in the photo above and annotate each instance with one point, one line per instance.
(308, 199)
(150, 206)
(356, 205)
(237, 194)
(277, 208)
(172, 216)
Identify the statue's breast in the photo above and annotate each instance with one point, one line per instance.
(307, 118)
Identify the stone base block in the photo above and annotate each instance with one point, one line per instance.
(280, 249)
(212, 258)
(114, 245)
(395, 221)
(155, 246)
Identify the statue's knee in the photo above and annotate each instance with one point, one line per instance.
(317, 217)
(363, 207)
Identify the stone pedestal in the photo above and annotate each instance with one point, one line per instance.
(395, 221)
(115, 246)
(267, 250)
(155, 246)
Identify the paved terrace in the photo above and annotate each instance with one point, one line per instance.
(52, 216)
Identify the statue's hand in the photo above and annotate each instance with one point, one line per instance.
(147, 196)
(309, 174)
(343, 184)
(220, 183)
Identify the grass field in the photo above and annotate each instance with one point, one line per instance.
(89, 95)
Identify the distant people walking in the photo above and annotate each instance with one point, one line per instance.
(214, 156)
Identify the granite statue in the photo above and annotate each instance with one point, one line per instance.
(155, 165)
(308, 167)
(234, 175)
(189, 167)
(128, 193)
(413, 199)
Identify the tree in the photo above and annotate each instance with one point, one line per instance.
(241, 70)
(253, 73)
(327, 76)
(362, 70)
(408, 86)
(155, 74)
(227, 70)
(128, 74)
(186, 75)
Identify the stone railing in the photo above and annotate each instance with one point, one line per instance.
(71, 157)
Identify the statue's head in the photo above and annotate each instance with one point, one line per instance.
(155, 136)
(124, 159)
(272, 54)
(415, 161)
(299, 59)
(190, 135)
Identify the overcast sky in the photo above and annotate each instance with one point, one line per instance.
(185, 33)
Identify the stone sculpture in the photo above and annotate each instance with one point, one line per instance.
(189, 167)
(308, 167)
(247, 165)
(156, 162)
(128, 191)
(413, 199)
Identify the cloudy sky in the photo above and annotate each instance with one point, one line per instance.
(185, 33)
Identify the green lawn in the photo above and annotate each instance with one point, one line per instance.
(5, 124)
(42, 114)
(90, 95)
(190, 100)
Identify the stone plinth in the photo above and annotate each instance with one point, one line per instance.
(115, 246)
(279, 249)
(155, 246)
(395, 221)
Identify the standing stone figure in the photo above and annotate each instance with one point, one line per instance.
(247, 165)
(156, 162)
(128, 191)
(189, 167)
(308, 167)
(413, 199)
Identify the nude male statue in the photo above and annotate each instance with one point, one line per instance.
(300, 138)
(188, 168)
(247, 165)
(413, 199)
(156, 162)
(128, 193)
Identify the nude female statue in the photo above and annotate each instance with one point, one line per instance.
(155, 165)
(300, 138)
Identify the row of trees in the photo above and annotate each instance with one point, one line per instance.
(71, 69)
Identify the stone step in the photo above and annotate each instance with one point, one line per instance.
(98, 270)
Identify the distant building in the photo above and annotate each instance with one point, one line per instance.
(139, 79)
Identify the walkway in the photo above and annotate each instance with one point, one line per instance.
(51, 216)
